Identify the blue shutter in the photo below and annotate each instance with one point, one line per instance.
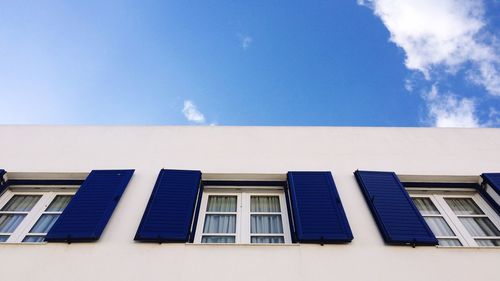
(87, 214)
(493, 180)
(170, 209)
(397, 218)
(317, 210)
(3, 182)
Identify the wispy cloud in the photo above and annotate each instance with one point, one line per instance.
(192, 113)
(245, 41)
(442, 39)
(448, 110)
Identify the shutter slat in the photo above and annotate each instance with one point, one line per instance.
(87, 214)
(397, 218)
(170, 209)
(317, 210)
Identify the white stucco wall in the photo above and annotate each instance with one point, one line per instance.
(246, 150)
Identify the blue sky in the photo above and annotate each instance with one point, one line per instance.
(333, 63)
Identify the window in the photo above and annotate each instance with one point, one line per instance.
(458, 218)
(243, 216)
(27, 215)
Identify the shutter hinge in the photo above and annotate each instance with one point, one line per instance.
(322, 241)
(414, 243)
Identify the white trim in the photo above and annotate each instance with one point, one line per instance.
(453, 220)
(32, 216)
(243, 214)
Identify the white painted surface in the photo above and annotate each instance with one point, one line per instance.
(115, 256)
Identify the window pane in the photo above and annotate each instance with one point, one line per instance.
(221, 204)
(488, 242)
(44, 224)
(425, 206)
(268, 239)
(480, 226)
(4, 238)
(59, 203)
(439, 226)
(449, 242)
(464, 206)
(220, 224)
(217, 239)
(21, 203)
(9, 223)
(265, 204)
(34, 239)
(266, 224)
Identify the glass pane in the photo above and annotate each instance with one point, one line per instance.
(488, 242)
(268, 239)
(44, 224)
(21, 203)
(220, 224)
(221, 204)
(439, 226)
(266, 224)
(449, 242)
(265, 204)
(9, 223)
(464, 206)
(34, 239)
(425, 206)
(480, 226)
(4, 238)
(217, 239)
(59, 203)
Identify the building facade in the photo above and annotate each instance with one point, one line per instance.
(257, 203)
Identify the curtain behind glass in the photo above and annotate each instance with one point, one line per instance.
(266, 224)
(217, 239)
(480, 227)
(268, 239)
(44, 223)
(439, 226)
(269, 204)
(220, 224)
(425, 206)
(221, 204)
(464, 206)
(59, 203)
(21, 203)
(9, 222)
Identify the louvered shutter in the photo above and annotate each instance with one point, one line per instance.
(317, 210)
(169, 213)
(3, 182)
(491, 191)
(87, 214)
(397, 218)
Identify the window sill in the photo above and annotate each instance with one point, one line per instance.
(237, 245)
(23, 243)
(462, 247)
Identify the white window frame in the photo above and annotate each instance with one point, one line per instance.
(48, 194)
(243, 214)
(438, 196)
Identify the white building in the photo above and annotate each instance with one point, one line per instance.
(229, 205)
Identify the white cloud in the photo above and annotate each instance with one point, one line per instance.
(192, 113)
(444, 34)
(245, 41)
(448, 110)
